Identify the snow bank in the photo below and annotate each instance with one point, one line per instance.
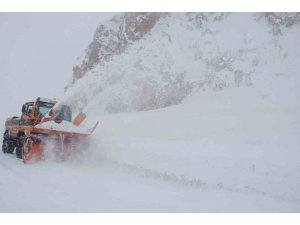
(243, 150)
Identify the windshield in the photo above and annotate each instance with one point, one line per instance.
(62, 112)
(44, 107)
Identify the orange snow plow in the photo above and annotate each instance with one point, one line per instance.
(42, 122)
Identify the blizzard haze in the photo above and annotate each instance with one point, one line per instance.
(38, 51)
(198, 112)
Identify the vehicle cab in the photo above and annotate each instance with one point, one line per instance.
(38, 109)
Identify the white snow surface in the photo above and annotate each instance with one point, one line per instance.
(185, 158)
(231, 150)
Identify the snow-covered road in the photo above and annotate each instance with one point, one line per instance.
(56, 187)
(186, 158)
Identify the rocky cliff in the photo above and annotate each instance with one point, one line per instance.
(142, 61)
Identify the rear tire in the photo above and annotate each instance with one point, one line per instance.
(4, 143)
(8, 146)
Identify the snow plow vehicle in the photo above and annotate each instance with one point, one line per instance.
(44, 121)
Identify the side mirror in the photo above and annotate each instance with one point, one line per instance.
(23, 108)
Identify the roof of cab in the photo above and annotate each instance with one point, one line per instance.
(42, 99)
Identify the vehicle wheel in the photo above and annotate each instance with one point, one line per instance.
(4, 143)
(11, 147)
(27, 149)
(19, 149)
(7, 145)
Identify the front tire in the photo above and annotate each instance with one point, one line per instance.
(19, 150)
(28, 149)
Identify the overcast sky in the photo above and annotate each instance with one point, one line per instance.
(37, 53)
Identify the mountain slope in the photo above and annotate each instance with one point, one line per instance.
(181, 54)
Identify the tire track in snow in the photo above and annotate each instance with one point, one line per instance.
(170, 177)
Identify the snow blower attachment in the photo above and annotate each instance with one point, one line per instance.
(43, 121)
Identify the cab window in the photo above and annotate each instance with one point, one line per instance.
(62, 112)
(43, 108)
(29, 110)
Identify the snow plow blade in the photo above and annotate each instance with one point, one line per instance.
(65, 140)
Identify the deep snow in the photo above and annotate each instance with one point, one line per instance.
(185, 158)
(227, 150)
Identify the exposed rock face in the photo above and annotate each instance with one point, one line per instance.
(201, 19)
(281, 20)
(114, 37)
(144, 61)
